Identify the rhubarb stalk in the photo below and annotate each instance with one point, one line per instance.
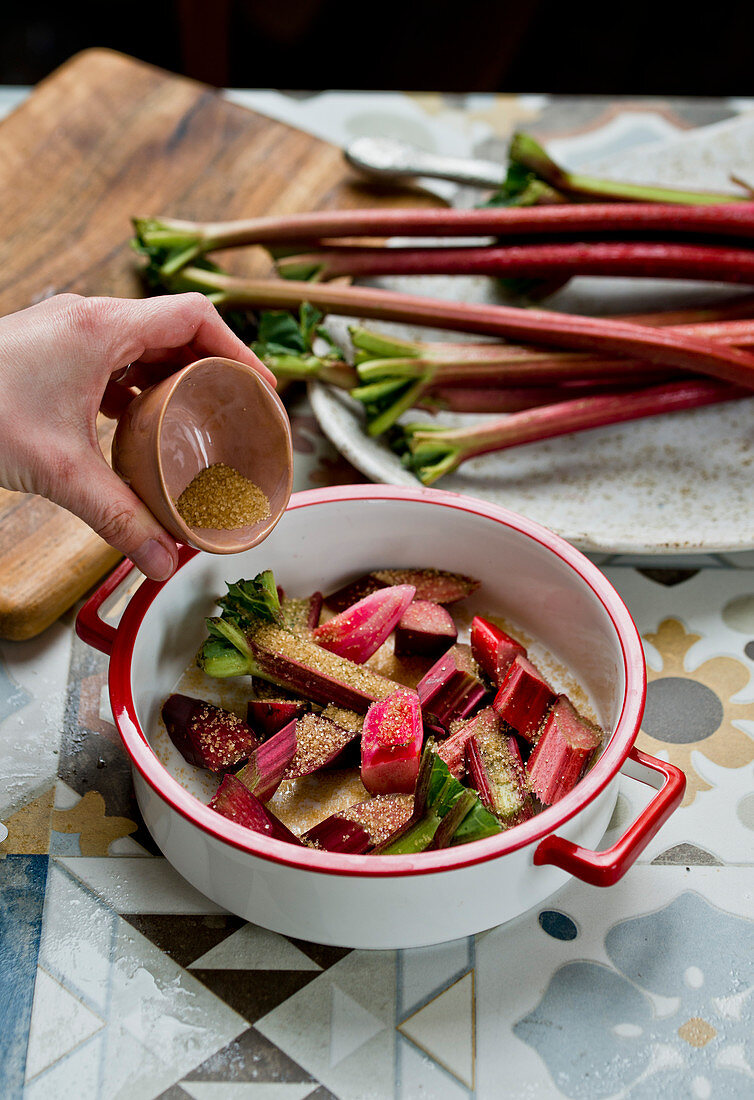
(655, 259)
(528, 155)
(171, 243)
(660, 346)
(432, 451)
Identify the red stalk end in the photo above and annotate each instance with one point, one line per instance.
(453, 751)
(360, 630)
(338, 834)
(524, 699)
(451, 688)
(268, 764)
(205, 735)
(494, 650)
(320, 743)
(566, 746)
(391, 744)
(426, 629)
(267, 716)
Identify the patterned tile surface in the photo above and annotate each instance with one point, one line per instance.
(117, 979)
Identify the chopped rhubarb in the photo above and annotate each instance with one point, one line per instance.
(425, 629)
(391, 744)
(267, 765)
(453, 750)
(451, 688)
(314, 672)
(524, 699)
(319, 744)
(437, 793)
(338, 834)
(360, 630)
(382, 815)
(436, 585)
(566, 746)
(238, 804)
(267, 716)
(499, 777)
(206, 735)
(494, 650)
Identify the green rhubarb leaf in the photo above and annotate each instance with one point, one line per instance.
(279, 334)
(248, 601)
(283, 336)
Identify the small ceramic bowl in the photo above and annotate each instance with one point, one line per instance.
(326, 538)
(214, 410)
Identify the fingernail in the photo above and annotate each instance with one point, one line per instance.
(154, 560)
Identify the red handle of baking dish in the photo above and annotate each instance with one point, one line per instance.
(605, 868)
(90, 627)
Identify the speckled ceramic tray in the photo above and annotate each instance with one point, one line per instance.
(670, 484)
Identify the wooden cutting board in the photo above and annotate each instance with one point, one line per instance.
(106, 137)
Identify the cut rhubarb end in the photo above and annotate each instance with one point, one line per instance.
(425, 629)
(338, 834)
(360, 630)
(205, 735)
(268, 764)
(566, 746)
(494, 650)
(391, 744)
(524, 699)
(238, 804)
(499, 777)
(451, 688)
(452, 750)
(320, 743)
(436, 585)
(267, 716)
(314, 672)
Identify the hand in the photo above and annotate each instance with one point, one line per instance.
(63, 359)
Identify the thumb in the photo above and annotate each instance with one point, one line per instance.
(95, 494)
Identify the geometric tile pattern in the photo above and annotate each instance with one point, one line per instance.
(118, 979)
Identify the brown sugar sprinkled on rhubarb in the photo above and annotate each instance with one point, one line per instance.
(317, 741)
(275, 640)
(381, 815)
(220, 497)
(348, 719)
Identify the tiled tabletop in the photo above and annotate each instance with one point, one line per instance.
(117, 979)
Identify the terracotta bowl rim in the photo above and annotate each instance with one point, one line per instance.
(190, 535)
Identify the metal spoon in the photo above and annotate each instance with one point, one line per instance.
(389, 159)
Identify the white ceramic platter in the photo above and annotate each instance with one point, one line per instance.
(668, 485)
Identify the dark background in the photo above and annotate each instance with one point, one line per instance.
(444, 45)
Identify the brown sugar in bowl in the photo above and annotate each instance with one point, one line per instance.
(213, 411)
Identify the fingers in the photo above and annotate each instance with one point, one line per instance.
(183, 320)
(86, 486)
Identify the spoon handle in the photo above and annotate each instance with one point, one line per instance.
(389, 159)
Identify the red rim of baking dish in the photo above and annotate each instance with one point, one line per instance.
(542, 825)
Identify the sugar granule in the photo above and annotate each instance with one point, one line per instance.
(222, 498)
